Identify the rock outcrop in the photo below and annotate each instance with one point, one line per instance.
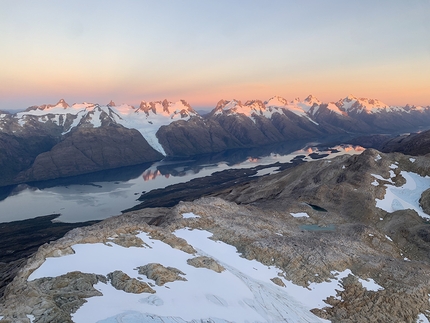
(161, 274)
(122, 281)
(205, 262)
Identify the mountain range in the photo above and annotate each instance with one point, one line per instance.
(60, 140)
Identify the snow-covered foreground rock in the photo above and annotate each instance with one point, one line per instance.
(306, 245)
(243, 292)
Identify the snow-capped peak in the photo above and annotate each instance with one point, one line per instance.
(300, 108)
(351, 104)
(255, 105)
(227, 107)
(312, 100)
(166, 108)
(62, 103)
(350, 97)
(235, 107)
(276, 101)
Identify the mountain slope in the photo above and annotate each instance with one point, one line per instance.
(175, 129)
(414, 144)
(87, 150)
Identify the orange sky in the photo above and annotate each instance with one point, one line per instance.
(203, 52)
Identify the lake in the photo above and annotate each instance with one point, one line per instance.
(101, 195)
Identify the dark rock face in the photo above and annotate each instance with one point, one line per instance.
(414, 144)
(332, 121)
(221, 132)
(425, 201)
(197, 136)
(88, 150)
(18, 153)
(393, 121)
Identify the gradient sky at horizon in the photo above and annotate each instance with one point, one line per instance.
(204, 51)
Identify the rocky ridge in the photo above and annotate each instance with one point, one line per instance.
(343, 230)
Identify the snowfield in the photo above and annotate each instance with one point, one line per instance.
(243, 292)
(406, 196)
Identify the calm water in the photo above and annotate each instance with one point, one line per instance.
(101, 195)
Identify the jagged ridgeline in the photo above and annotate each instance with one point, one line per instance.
(54, 141)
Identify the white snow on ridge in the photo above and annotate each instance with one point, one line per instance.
(300, 108)
(58, 109)
(300, 215)
(406, 196)
(190, 215)
(147, 123)
(334, 108)
(243, 292)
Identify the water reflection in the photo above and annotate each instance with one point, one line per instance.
(103, 194)
(151, 174)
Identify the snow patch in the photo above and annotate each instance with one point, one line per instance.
(412, 160)
(266, 171)
(300, 215)
(370, 284)
(190, 215)
(382, 178)
(378, 157)
(422, 319)
(406, 196)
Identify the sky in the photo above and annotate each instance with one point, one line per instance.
(203, 51)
